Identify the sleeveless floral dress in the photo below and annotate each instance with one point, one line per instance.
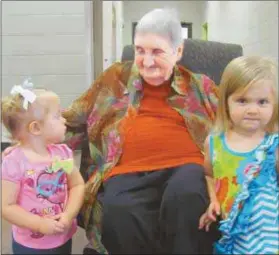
(248, 191)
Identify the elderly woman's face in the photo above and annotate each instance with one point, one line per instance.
(155, 57)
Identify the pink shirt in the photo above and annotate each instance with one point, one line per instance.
(42, 192)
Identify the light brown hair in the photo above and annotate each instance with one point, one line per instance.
(238, 76)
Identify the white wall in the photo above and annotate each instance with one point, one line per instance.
(188, 11)
(107, 34)
(47, 41)
(119, 28)
(112, 32)
(253, 24)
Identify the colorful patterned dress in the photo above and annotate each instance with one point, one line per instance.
(248, 191)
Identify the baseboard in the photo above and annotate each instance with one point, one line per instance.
(4, 145)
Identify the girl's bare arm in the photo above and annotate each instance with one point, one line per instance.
(14, 213)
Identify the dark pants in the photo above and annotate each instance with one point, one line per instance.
(63, 249)
(156, 212)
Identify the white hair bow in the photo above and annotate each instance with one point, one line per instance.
(27, 84)
(28, 95)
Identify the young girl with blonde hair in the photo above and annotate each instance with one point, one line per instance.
(241, 159)
(42, 191)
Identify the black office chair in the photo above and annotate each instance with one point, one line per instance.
(199, 56)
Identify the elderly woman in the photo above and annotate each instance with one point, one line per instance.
(142, 126)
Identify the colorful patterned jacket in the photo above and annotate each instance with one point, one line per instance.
(96, 121)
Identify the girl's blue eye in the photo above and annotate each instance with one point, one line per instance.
(263, 101)
(242, 100)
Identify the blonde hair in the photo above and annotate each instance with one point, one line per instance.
(238, 76)
(15, 117)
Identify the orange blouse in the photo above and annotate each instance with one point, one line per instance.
(156, 137)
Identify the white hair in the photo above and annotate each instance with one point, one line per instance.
(163, 22)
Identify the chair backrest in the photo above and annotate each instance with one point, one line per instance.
(199, 56)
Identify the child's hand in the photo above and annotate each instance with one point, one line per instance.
(209, 216)
(64, 219)
(48, 226)
(213, 210)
